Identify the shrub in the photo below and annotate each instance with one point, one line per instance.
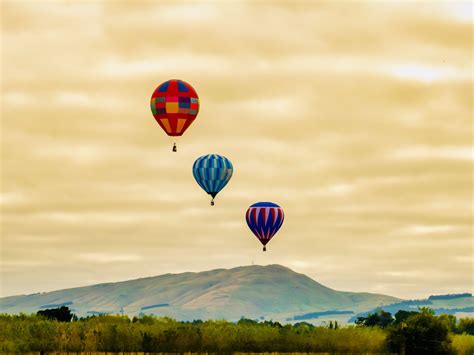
(463, 344)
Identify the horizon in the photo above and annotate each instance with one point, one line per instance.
(354, 117)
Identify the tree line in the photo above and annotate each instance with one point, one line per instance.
(421, 332)
(59, 330)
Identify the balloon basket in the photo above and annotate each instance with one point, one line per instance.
(175, 149)
(264, 248)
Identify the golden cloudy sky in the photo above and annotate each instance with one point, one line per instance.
(355, 117)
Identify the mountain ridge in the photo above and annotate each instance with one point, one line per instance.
(255, 291)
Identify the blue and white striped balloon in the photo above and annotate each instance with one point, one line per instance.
(212, 172)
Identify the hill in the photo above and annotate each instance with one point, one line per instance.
(461, 305)
(257, 292)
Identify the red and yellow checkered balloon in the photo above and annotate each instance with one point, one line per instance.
(175, 105)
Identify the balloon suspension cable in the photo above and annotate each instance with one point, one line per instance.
(174, 147)
(264, 248)
(212, 202)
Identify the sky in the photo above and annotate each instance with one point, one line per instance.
(355, 117)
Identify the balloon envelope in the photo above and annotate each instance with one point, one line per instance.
(175, 105)
(212, 172)
(264, 220)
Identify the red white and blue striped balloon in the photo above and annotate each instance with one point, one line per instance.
(264, 220)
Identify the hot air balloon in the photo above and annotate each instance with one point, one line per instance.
(175, 105)
(264, 220)
(212, 172)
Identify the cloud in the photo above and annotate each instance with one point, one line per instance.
(426, 152)
(97, 217)
(72, 99)
(11, 198)
(105, 258)
(16, 98)
(361, 132)
(164, 64)
(424, 229)
(426, 73)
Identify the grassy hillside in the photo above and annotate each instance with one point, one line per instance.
(264, 292)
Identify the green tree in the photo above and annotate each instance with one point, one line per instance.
(43, 336)
(449, 320)
(25, 333)
(303, 327)
(420, 334)
(379, 319)
(402, 315)
(62, 314)
(426, 310)
(465, 325)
